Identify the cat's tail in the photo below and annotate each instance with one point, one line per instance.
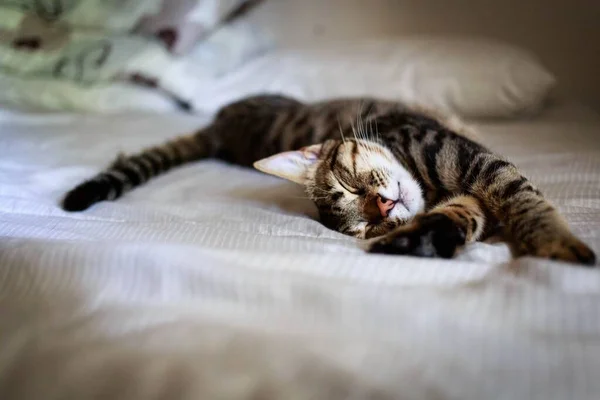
(128, 172)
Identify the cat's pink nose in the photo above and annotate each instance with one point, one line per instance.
(385, 205)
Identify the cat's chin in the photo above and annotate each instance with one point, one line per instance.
(410, 195)
(411, 204)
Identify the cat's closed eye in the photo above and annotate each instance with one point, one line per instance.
(350, 189)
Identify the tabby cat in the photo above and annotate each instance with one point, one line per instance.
(408, 180)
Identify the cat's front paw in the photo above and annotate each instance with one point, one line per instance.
(431, 235)
(564, 247)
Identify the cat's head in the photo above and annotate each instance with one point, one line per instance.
(358, 186)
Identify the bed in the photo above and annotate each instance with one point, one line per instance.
(218, 282)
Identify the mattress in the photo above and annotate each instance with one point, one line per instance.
(218, 282)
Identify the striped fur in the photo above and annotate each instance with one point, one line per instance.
(353, 156)
(125, 173)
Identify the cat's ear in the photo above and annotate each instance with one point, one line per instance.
(290, 165)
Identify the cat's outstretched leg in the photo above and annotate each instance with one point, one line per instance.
(437, 233)
(534, 225)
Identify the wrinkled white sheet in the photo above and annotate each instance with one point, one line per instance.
(215, 282)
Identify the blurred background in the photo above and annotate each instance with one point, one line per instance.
(565, 34)
(86, 54)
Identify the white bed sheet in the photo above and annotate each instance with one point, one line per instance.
(216, 282)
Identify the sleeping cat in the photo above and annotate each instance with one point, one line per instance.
(410, 181)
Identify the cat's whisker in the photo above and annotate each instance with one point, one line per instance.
(365, 156)
(360, 134)
(359, 122)
(365, 153)
(368, 149)
(360, 126)
(341, 130)
(367, 132)
(377, 132)
(353, 131)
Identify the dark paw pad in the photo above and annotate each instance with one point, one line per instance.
(433, 235)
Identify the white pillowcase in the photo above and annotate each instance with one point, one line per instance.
(468, 77)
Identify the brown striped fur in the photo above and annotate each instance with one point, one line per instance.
(349, 153)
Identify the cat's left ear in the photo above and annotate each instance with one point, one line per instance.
(290, 165)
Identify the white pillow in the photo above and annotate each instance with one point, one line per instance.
(469, 77)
